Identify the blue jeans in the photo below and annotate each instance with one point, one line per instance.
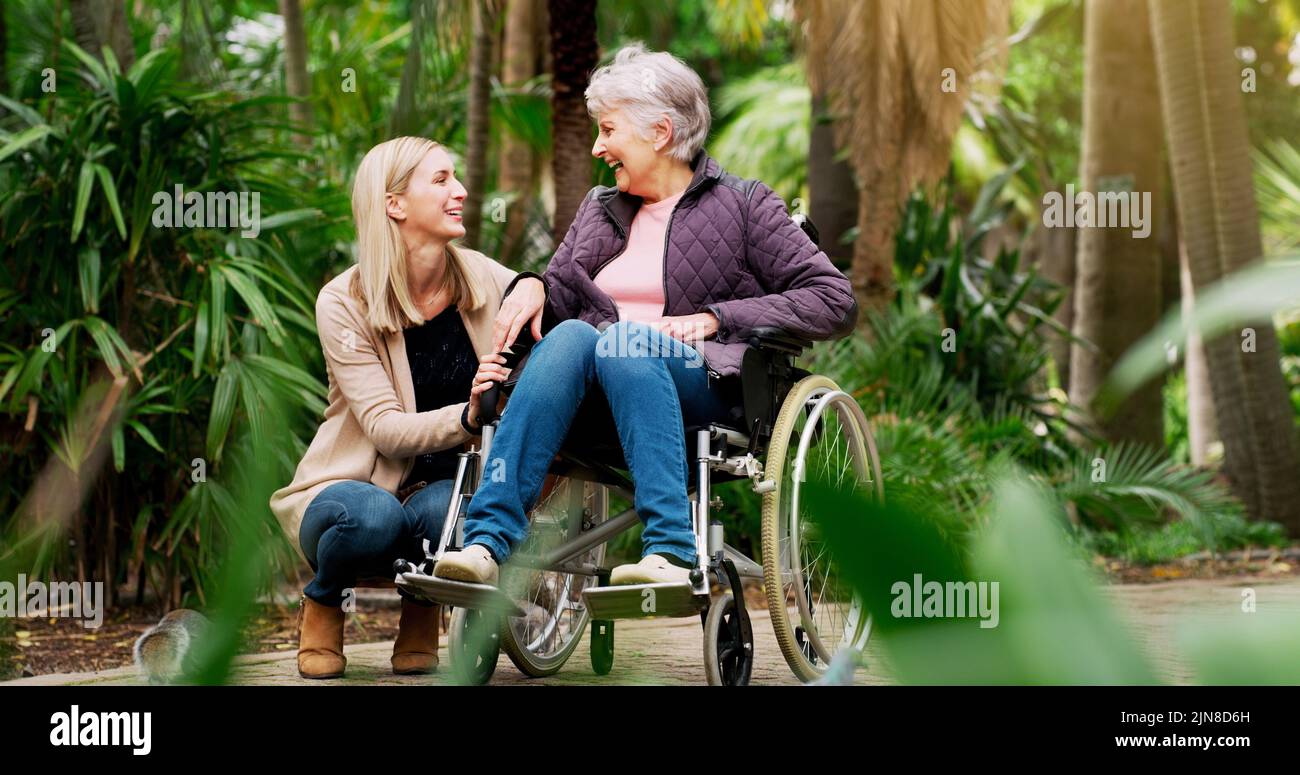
(356, 530)
(654, 385)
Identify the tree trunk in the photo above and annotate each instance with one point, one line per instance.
(404, 121)
(880, 201)
(100, 23)
(119, 35)
(480, 106)
(296, 82)
(4, 51)
(199, 43)
(1202, 430)
(832, 192)
(574, 53)
(1056, 252)
(518, 164)
(1212, 173)
(1117, 284)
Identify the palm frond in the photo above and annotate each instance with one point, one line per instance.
(1126, 486)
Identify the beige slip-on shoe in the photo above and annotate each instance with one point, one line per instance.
(653, 569)
(474, 564)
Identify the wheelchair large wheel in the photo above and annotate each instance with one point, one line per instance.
(555, 617)
(820, 431)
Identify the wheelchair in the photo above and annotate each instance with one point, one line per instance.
(556, 583)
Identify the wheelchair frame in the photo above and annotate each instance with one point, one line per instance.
(718, 450)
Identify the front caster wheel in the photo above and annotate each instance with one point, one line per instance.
(728, 644)
(473, 645)
(602, 646)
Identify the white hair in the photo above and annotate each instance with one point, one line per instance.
(649, 85)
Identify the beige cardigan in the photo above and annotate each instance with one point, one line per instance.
(372, 431)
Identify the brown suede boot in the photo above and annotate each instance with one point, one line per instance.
(320, 641)
(416, 648)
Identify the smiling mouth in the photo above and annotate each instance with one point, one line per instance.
(455, 213)
(615, 165)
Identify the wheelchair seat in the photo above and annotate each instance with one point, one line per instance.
(593, 451)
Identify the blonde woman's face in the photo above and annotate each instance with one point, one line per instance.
(433, 199)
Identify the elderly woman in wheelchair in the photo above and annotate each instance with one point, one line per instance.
(666, 290)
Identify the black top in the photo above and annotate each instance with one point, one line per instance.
(443, 364)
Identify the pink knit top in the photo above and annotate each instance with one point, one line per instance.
(635, 278)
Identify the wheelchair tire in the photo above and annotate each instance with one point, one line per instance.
(728, 651)
(541, 642)
(473, 645)
(813, 616)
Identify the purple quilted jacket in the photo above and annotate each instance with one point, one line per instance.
(731, 249)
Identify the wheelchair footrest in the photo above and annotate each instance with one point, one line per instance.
(642, 601)
(462, 594)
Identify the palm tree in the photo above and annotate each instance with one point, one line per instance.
(1202, 427)
(574, 52)
(903, 70)
(101, 23)
(518, 163)
(480, 95)
(1117, 287)
(832, 196)
(296, 82)
(1210, 157)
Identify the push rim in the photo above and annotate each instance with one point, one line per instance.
(820, 431)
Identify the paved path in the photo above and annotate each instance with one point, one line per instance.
(669, 651)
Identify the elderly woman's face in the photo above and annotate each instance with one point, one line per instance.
(621, 145)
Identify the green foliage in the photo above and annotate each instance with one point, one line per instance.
(207, 326)
(763, 128)
(1128, 485)
(1180, 538)
(1242, 298)
(1038, 115)
(1053, 625)
(950, 376)
(992, 316)
(1176, 420)
(1277, 179)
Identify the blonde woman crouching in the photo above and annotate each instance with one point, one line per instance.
(407, 339)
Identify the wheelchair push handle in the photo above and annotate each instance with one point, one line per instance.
(488, 399)
(487, 404)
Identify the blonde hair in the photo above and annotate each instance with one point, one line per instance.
(380, 282)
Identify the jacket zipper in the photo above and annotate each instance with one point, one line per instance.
(668, 231)
(603, 264)
(664, 268)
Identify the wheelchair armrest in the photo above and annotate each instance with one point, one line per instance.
(777, 339)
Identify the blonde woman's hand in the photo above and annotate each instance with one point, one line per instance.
(490, 370)
(522, 307)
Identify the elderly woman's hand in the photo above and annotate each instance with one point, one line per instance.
(524, 304)
(690, 328)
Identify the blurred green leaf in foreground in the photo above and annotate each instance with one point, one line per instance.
(1054, 624)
